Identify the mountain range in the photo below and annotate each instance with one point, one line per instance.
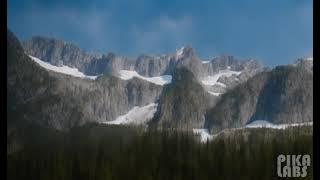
(55, 84)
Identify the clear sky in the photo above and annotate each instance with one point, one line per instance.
(273, 31)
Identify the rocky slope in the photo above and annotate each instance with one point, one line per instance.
(58, 52)
(61, 101)
(183, 103)
(224, 92)
(283, 95)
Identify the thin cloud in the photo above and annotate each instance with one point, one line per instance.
(268, 30)
(89, 25)
(163, 33)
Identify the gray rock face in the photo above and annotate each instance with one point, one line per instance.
(183, 103)
(229, 68)
(56, 51)
(283, 95)
(60, 101)
(117, 63)
(190, 61)
(232, 63)
(287, 97)
(152, 66)
(108, 101)
(305, 63)
(236, 106)
(107, 98)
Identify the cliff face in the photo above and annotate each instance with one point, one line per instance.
(283, 95)
(222, 93)
(62, 101)
(58, 52)
(183, 103)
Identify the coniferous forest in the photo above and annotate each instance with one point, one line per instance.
(113, 152)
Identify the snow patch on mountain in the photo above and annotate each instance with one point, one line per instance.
(159, 80)
(204, 134)
(266, 124)
(137, 115)
(179, 52)
(63, 69)
(212, 80)
(214, 93)
(221, 84)
(205, 62)
(309, 59)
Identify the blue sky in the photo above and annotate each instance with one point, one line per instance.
(273, 31)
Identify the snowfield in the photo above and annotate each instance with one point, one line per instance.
(266, 124)
(63, 69)
(221, 84)
(214, 93)
(179, 52)
(206, 62)
(212, 80)
(309, 58)
(137, 115)
(159, 80)
(205, 135)
(123, 74)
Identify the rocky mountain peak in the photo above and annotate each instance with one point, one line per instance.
(56, 51)
(306, 63)
(304, 60)
(234, 63)
(225, 92)
(185, 52)
(109, 56)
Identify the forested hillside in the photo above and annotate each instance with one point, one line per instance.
(115, 152)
